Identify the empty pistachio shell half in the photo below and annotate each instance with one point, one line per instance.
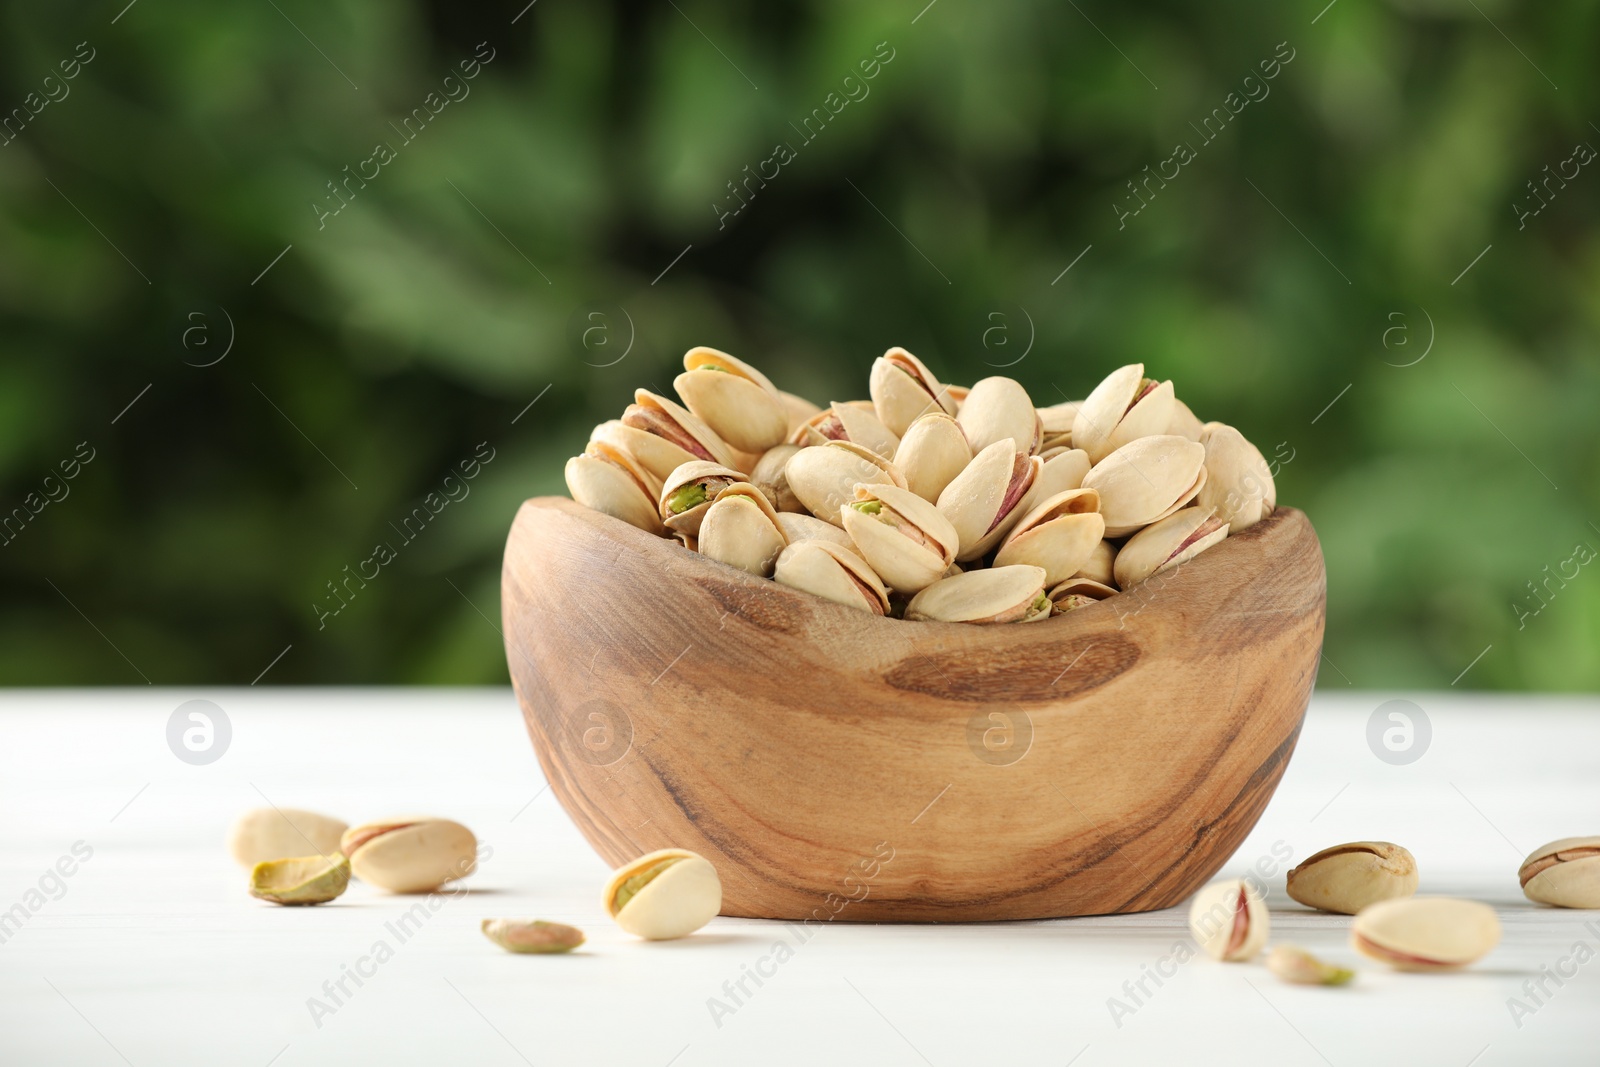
(1101, 566)
(996, 595)
(998, 409)
(799, 526)
(1565, 873)
(274, 833)
(532, 936)
(1124, 407)
(1238, 481)
(903, 390)
(769, 476)
(1146, 480)
(901, 536)
(1425, 933)
(1058, 535)
(984, 501)
(855, 422)
(825, 569)
(1229, 920)
(1056, 422)
(741, 529)
(303, 880)
(676, 425)
(1175, 539)
(410, 855)
(613, 483)
(824, 477)
(733, 398)
(1347, 878)
(1295, 965)
(688, 491)
(1078, 592)
(932, 452)
(664, 895)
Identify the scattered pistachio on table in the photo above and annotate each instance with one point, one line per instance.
(1295, 965)
(532, 936)
(274, 833)
(1347, 878)
(927, 483)
(664, 895)
(1425, 933)
(410, 855)
(302, 880)
(1229, 920)
(1565, 873)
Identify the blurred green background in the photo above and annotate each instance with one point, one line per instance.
(1310, 254)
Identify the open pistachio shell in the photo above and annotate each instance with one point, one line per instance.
(1056, 423)
(655, 454)
(301, 880)
(932, 452)
(688, 492)
(999, 408)
(741, 529)
(733, 398)
(678, 426)
(411, 854)
(609, 482)
(1062, 471)
(1175, 539)
(1101, 565)
(855, 422)
(996, 595)
(828, 570)
(1565, 873)
(1078, 593)
(1058, 535)
(768, 476)
(984, 501)
(901, 536)
(1184, 423)
(1238, 481)
(1229, 920)
(1346, 878)
(1146, 480)
(824, 477)
(903, 390)
(796, 409)
(666, 894)
(1425, 933)
(1124, 407)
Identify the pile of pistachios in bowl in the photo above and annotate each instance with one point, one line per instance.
(928, 501)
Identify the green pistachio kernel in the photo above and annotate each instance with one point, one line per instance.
(630, 888)
(685, 497)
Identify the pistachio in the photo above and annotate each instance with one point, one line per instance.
(741, 529)
(1238, 481)
(274, 833)
(769, 476)
(854, 422)
(1078, 593)
(996, 595)
(1229, 920)
(1146, 480)
(532, 936)
(932, 452)
(824, 477)
(688, 491)
(1565, 873)
(1101, 565)
(998, 409)
(664, 895)
(673, 425)
(1063, 470)
(1425, 933)
(803, 526)
(1058, 535)
(823, 568)
(797, 409)
(1123, 408)
(303, 880)
(983, 501)
(1055, 422)
(410, 855)
(1347, 878)
(613, 483)
(1173, 540)
(1184, 424)
(734, 399)
(901, 536)
(904, 390)
(1294, 964)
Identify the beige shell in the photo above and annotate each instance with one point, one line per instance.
(1058, 535)
(678, 426)
(609, 482)
(734, 399)
(1565, 873)
(1346, 878)
(696, 470)
(824, 477)
(996, 409)
(803, 526)
(1229, 920)
(996, 595)
(1146, 480)
(281, 833)
(1238, 481)
(828, 570)
(903, 390)
(741, 529)
(410, 854)
(675, 903)
(932, 452)
(854, 422)
(1079, 592)
(1101, 566)
(768, 476)
(796, 409)
(1055, 422)
(1063, 470)
(908, 542)
(1124, 407)
(975, 499)
(1184, 423)
(1170, 542)
(654, 454)
(1425, 933)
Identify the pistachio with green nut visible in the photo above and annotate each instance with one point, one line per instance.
(410, 855)
(1565, 873)
(275, 833)
(301, 880)
(1229, 920)
(532, 936)
(1425, 933)
(1347, 878)
(1295, 965)
(664, 895)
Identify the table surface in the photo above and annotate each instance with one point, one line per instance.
(151, 952)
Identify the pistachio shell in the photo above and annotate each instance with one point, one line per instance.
(932, 452)
(705, 480)
(847, 422)
(1146, 480)
(996, 595)
(1229, 920)
(1347, 878)
(824, 477)
(905, 539)
(1425, 933)
(1295, 965)
(1124, 407)
(1058, 535)
(797, 409)
(734, 399)
(1174, 540)
(678, 426)
(1056, 422)
(301, 880)
(996, 409)
(741, 529)
(607, 486)
(903, 390)
(1077, 593)
(1184, 424)
(984, 501)
(274, 833)
(680, 899)
(410, 854)
(803, 526)
(1238, 481)
(1101, 565)
(1063, 470)
(768, 476)
(532, 936)
(833, 572)
(1565, 873)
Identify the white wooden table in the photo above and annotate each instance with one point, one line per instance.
(150, 952)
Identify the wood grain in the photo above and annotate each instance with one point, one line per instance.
(834, 764)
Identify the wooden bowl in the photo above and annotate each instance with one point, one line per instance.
(834, 764)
